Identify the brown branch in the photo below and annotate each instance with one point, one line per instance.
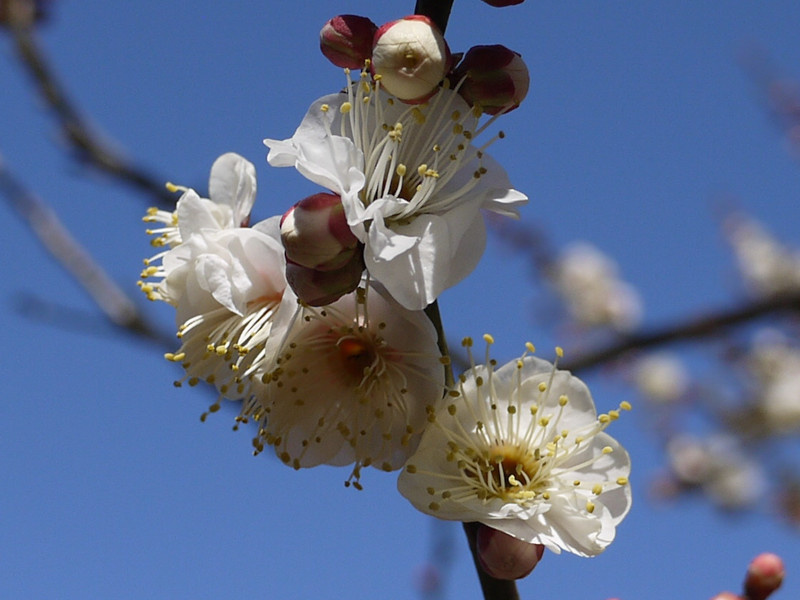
(89, 149)
(48, 229)
(437, 11)
(705, 326)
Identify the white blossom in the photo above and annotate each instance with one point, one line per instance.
(521, 449)
(411, 182)
(661, 378)
(588, 281)
(719, 466)
(352, 384)
(226, 282)
(767, 266)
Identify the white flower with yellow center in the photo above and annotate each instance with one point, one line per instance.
(411, 182)
(521, 449)
(233, 306)
(232, 191)
(226, 282)
(353, 384)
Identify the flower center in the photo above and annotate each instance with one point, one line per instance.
(357, 356)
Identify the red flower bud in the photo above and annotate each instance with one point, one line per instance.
(764, 576)
(726, 596)
(410, 57)
(494, 78)
(318, 288)
(315, 233)
(506, 557)
(346, 40)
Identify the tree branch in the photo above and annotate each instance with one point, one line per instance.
(694, 328)
(77, 132)
(48, 229)
(437, 11)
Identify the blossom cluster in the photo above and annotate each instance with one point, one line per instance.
(314, 320)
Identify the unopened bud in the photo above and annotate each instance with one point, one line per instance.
(500, 3)
(506, 557)
(318, 288)
(410, 57)
(726, 596)
(764, 576)
(346, 40)
(315, 233)
(494, 78)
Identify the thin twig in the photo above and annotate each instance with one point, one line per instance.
(89, 149)
(705, 326)
(48, 229)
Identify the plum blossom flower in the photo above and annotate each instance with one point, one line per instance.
(589, 282)
(719, 467)
(353, 384)
(521, 449)
(767, 266)
(226, 282)
(411, 182)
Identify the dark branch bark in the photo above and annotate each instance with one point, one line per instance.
(48, 229)
(695, 328)
(76, 130)
(437, 11)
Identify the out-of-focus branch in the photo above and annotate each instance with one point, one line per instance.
(88, 148)
(46, 226)
(437, 11)
(705, 326)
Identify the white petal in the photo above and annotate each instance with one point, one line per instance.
(233, 183)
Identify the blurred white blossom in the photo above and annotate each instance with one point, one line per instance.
(767, 266)
(661, 378)
(775, 366)
(588, 281)
(719, 466)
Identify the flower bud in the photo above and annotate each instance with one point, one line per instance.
(346, 40)
(506, 557)
(764, 576)
(318, 288)
(726, 596)
(410, 57)
(315, 233)
(500, 3)
(494, 78)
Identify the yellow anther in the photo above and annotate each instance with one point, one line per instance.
(559, 352)
(597, 489)
(530, 347)
(562, 400)
(622, 481)
(401, 170)
(345, 108)
(608, 450)
(625, 405)
(542, 386)
(488, 338)
(590, 506)
(171, 187)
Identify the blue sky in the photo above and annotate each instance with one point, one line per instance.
(638, 124)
